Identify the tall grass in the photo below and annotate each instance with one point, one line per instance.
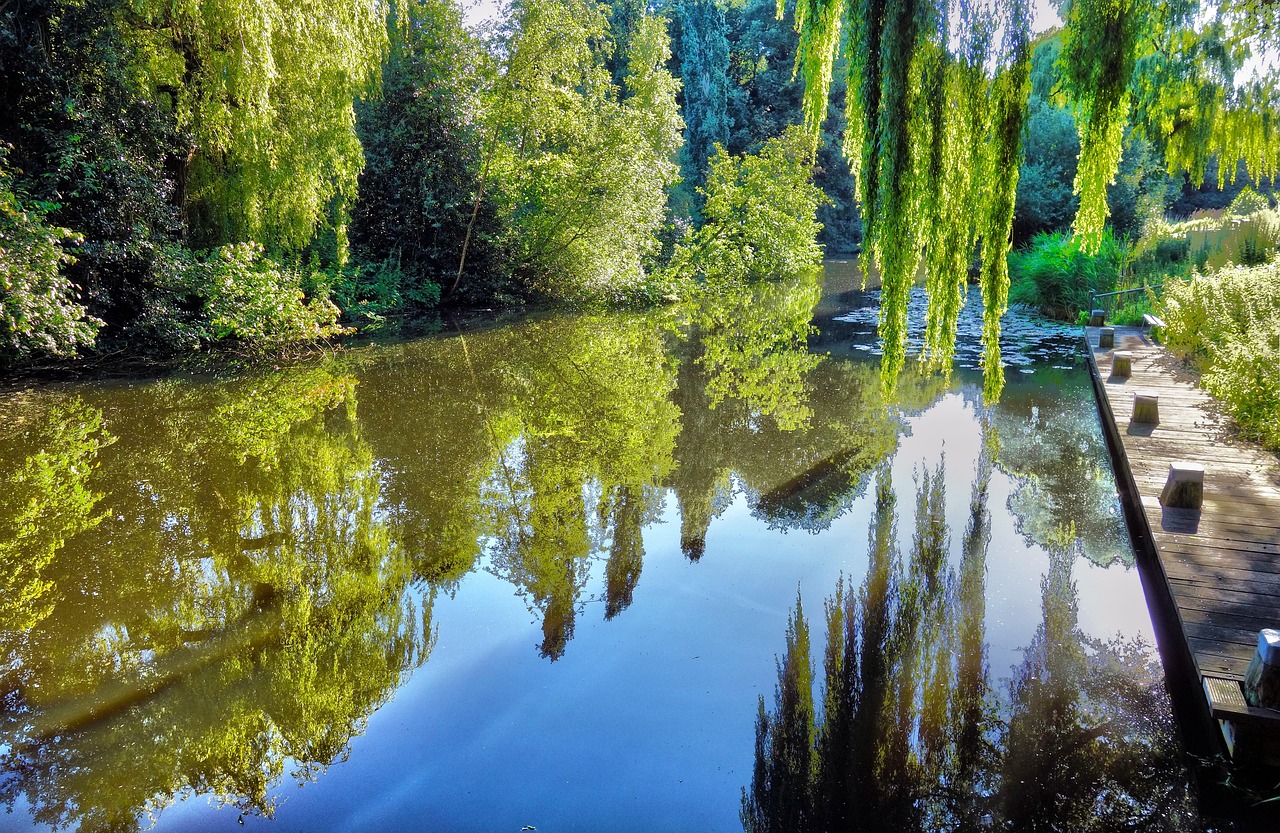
(1056, 277)
(1228, 323)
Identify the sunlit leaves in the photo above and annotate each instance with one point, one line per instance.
(759, 216)
(582, 166)
(266, 93)
(934, 142)
(1097, 61)
(40, 311)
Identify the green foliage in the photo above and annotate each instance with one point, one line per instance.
(421, 180)
(759, 216)
(934, 143)
(1045, 200)
(40, 313)
(1056, 275)
(1012, 87)
(249, 297)
(367, 294)
(704, 79)
(272, 149)
(1097, 60)
(582, 166)
(1247, 202)
(1229, 323)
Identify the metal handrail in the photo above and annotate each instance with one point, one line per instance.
(1126, 291)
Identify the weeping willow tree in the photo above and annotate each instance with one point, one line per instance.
(1196, 78)
(936, 107)
(263, 94)
(935, 113)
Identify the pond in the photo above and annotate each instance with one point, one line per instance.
(683, 570)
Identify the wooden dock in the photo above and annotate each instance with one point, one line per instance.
(1220, 564)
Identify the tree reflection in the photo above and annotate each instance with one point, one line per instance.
(242, 610)
(753, 342)
(591, 404)
(912, 734)
(45, 499)
(1055, 449)
(802, 433)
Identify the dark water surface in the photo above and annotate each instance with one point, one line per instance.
(542, 575)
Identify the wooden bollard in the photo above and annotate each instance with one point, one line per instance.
(1107, 337)
(1184, 488)
(1121, 363)
(1097, 318)
(1262, 677)
(1146, 408)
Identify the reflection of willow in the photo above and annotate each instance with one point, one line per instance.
(241, 611)
(910, 738)
(801, 432)
(589, 400)
(1054, 449)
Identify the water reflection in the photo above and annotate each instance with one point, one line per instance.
(915, 733)
(239, 610)
(210, 586)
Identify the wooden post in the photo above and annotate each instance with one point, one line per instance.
(1121, 362)
(1146, 408)
(1262, 677)
(1107, 337)
(1184, 488)
(1097, 318)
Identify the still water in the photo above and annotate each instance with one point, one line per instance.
(687, 570)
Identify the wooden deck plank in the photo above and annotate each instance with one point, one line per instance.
(1221, 564)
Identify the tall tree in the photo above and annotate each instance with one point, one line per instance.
(421, 140)
(582, 165)
(264, 95)
(704, 74)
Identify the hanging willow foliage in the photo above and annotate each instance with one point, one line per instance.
(958, 160)
(936, 167)
(818, 22)
(1096, 64)
(1009, 112)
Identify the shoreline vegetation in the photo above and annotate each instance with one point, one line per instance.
(184, 180)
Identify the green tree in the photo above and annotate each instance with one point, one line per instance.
(421, 179)
(704, 77)
(759, 216)
(582, 166)
(264, 97)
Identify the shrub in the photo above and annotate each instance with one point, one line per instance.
(759, 215)
(1228, 323)
(1055, 276)
(40, 311)
(242, 295)
(1247, 202)
(368, 293)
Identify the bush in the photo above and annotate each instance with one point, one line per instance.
(1247, 202)
(1228, 323)
(40, 311)
(369, 293)
(242, 295)
(1055, 276)
(759, 216)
